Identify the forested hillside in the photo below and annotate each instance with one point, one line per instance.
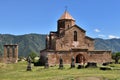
(27, 43)
(35, 42)
(107, 44)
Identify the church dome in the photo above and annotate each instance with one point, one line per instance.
(66, 15)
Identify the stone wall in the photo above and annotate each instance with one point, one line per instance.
(54, 56)
(69, 38)
(88, 56)
(89, 42)
(100, 56)
(67, 41)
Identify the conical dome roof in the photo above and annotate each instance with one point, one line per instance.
(66, 15)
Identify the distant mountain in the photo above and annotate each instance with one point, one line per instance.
(27, 43)
(35, 42)
(107, 44)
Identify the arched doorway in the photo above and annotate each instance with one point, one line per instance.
(80, 59)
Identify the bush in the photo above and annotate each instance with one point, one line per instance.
(37, 63)
(116, 57)
(32, 55)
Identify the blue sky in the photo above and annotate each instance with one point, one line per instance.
(100, 18)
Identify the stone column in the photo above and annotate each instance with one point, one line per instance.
(11, 53)
(16, 53)
(5, 53)
(47, 42)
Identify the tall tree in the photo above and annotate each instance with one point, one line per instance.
(116, 57)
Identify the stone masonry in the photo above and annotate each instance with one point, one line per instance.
(10, 53)
(69, 41)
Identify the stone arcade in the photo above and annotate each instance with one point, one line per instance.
(71, 41)
(10, 53)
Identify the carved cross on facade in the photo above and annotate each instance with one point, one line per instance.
(75, 44)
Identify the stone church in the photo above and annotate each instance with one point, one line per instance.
(69, 41)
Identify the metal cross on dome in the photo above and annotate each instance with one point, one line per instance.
(66, 8)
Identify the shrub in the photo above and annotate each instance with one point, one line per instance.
(32, 55)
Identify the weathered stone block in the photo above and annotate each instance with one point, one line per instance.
(80, 66)
(91, 65)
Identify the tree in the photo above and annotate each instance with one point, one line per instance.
(116, 57)
(0, 53)
(32, 55)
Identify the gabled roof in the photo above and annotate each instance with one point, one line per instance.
(77, 27)
(53, 33)
(80, 28)
(89, 38)
(72, 27)
(66, 15)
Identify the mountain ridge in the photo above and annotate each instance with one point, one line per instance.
(35, 42)
(107, 44)
(27, 43)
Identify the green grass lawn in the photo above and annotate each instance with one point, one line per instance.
(18, 72)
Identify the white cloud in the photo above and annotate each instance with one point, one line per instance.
(97, 30)
(101, 35)
(112, 36)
